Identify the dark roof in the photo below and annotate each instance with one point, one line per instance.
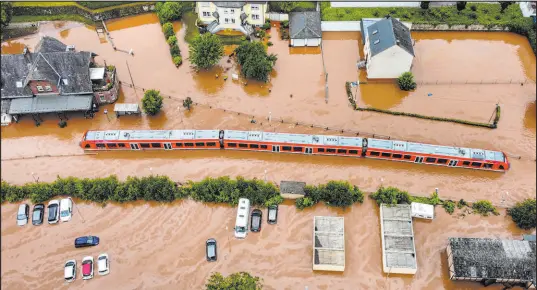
(5, 106)
(15, 68)
(294, 187)
(48, 104)
(304, 25)
(493, 258)
(226, 4)
(50, 44)
(389, 32)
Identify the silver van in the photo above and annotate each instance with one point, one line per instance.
(22, 214)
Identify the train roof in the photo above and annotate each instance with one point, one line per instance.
(130, 135)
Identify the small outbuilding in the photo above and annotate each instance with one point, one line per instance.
(305, 28)
(126, 109)
(421, 210)
(328, 243)
(292, 189)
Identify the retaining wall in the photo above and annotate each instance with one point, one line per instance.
(445, 27)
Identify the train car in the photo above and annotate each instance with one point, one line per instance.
(296, 143)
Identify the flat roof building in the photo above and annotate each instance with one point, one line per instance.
(292, 189)
(328, 243)
(492, 261)
(397, 235)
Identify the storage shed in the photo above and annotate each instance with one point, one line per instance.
(305, 28)
(126, 109)
(292, 189)
(328, 243)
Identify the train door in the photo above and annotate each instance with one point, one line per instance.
(167, 146)
(364, 147)
(221, 139)
(135, 146)
(309, 150)
(275, 148)
(419, 159)
(452, 163)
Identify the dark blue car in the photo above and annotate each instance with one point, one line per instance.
(86, 241)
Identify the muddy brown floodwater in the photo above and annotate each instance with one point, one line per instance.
(162, 256)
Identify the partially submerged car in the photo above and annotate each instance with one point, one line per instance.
(257, 215)
(272, 216)
(86, 241)
(38, 214)
(66, 209)
(69, 272)
(210, 250)
(104, 264)
(87, 268)
(22, 214)
(53, 211)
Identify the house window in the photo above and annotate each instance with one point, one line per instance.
(255, 7)
(375, 32)
(376, 41)
(232, 20)
(255, 16)
(226, 20)
(102, 98)
(206, 14)
(232, 11)
(48, 89)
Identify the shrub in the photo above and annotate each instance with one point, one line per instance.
(7, 13)
(285, 24)
(473, 8)
(484, 208)
(524, 214)
(172, 40)
(291, 6)
(497, 116)
(206, 50)
(406, 81)
(175, 51)
(62, 124)
(269, 43)
(390, 196)
(275, 200)
(434, 199)
(152, 102)
(241, 280)
(170, 11)
(461, 203)
(303, 202)
(177, 60)
(266, 25)
(102, 4)
(187, 103)
(167, 28)
(461, 5)
(254, 61)
(449, 206)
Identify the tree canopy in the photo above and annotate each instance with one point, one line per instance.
(170, 11)
(406, 81)
(254, 60)
(524, 214)
(6, 13)
(235, 281)
(206, 50)
(152, 102)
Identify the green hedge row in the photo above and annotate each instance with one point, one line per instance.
(291, 6)
(486, 14)
(334, 193)
(494, 125)
(102, 4)
(524, 214)
(171, 39)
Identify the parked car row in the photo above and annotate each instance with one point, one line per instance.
(58, 210)
(103, 263)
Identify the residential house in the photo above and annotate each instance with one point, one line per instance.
(305, 28)
(388, 49)
(54, 79)
(239, 15)
(528, 9)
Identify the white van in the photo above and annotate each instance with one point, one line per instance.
(241, 224)
(66, 209)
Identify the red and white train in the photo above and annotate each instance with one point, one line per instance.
(295, 143)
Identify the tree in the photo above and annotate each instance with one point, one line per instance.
(504, 5)
(167, 28)
(152, 102)
(461, 5)
(187, 103)
(254, 61)
(425, 4)
(390, 196)
(235, 281)
(172, 40)
(406, 81)
(524, 214)
(169, 11)
(206, 50)
(6, 13)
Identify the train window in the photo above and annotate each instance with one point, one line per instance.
(476, 164)
(243, 145)
(331, 150)
(488, 165)
(200, 144)
(254, 146)
(397, 156)
(99, 145)
(286, 148)
(211, 144)
(297, 149)
(407, 157)
(344, 151)
(144, 145)
(122, 145)
(156, 145)
(111, 145)
(466, 163)
(189, 144)
(87, 146)
(501, 167)
(353, 151)
(441, 161)
(231, 144)
(178, 144)
(384, 154)
(320, 149)
(373, 153)
(264, 147)
(430, 159)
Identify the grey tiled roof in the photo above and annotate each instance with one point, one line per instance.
(304, 25)
(294, 187)
(230, 4)
(48, 104)
(389, 32)
(15, 68)
(50, 44)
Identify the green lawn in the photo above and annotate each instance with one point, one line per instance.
(61, 17)
(189, 19)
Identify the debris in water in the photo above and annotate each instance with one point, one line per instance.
(225, 78)
(429, 94)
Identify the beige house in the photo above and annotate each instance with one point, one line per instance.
(239, 16)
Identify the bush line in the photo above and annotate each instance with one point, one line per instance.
(334, 193)
(494, 125)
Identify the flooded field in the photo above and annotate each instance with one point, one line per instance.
(149, 249)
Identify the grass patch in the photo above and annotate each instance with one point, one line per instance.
(43, 4)
(189, 19)
(101, 4)
(291, 6)
(231, 39)
(61, 17)
(484, 208)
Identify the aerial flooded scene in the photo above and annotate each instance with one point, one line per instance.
(268, 145)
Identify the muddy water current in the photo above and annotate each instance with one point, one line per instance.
(162, 256)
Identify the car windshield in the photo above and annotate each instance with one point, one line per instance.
(21, 217)
(90, 240)
(240, 229)
(211, 250)
(37, 215)
(70, 264)
(65, 213)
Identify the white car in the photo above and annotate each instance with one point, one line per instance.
(87, 268)
(70, 271)
(104, 264)
(53, 211)
(66, 209)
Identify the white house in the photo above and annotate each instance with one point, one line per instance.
(238, 15)
(305, 28)
(388, 49)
